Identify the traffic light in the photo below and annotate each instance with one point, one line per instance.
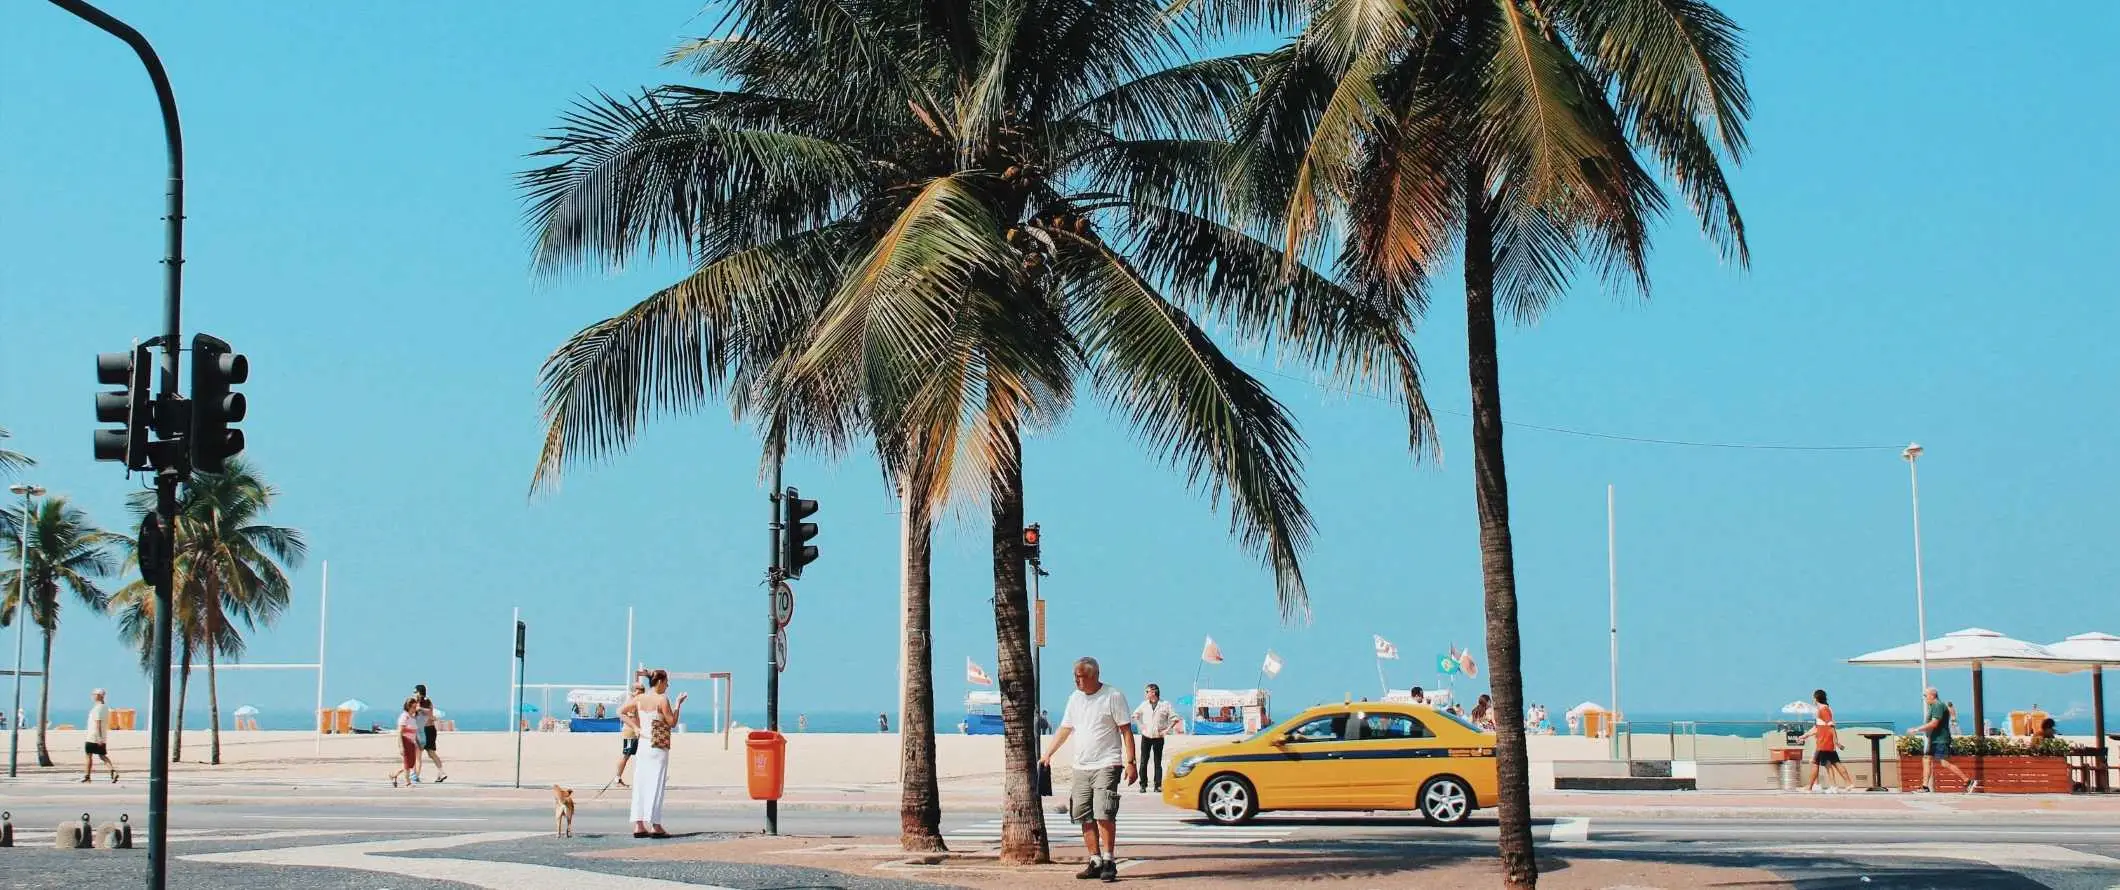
(214, 369)
(795, 534)
(132, 408)
(1030, 543)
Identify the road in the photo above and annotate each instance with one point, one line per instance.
(245, 836)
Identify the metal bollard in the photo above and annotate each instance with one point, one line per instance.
(7, 829)
(87, 835)
(125, 831)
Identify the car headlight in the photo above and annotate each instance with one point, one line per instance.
(1186, 765)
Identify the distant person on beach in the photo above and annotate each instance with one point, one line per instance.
(628, 732)
(1937, 731)
(1045, 723)
(1098, 711)
(2045, 730)
(599, 710)
(1155, 717)
(802, 723)
(1483, 712)
(408, 733)
(430, 733)
(1419, 697)
(657, 716)
(883, 723)
(1826, 759)
(99, 738)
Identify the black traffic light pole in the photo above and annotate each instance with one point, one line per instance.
(166, 477)
(773, 578)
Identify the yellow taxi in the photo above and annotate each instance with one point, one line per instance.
(1348, 756)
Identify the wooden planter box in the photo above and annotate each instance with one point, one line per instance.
(1998, 774)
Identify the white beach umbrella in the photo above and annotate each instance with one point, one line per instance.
(1977, 648)
(247, 711)
(353, 704)
(1797, 707)
(2098, 650)
(1580, 709)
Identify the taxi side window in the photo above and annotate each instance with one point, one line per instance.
(1393, 726)
(1323, 729)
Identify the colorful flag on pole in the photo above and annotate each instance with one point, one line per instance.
(1211, 653)
(1446, 664)
(1466, 664)
(974, 674)
(1385, 649)
(1272, 667)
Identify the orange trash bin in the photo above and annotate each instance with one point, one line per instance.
(765, 764)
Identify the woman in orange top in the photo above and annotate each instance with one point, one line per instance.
(1827, 758)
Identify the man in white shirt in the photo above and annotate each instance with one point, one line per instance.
(1098, 713)
(98, 739)
(1155, 717)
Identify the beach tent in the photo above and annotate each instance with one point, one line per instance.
(1227, 711)
(982, 712)
(353, 704)
(2097, 650)
(1976, 648)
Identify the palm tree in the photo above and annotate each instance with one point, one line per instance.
(135, 606)
(228, 569)
(940, 217)
(12, 461)
(1514, 131)
(65, 550)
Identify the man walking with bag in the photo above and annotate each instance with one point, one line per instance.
(1097, 711)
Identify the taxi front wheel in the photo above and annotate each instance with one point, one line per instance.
(1228, 800)
(1446, 801)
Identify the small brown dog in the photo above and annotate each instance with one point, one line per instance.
(562, 811)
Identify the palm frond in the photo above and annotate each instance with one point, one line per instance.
(1178, 390)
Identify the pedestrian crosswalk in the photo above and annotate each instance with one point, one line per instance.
(1156, 827)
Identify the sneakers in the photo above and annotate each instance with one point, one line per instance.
(1972, 785)
(1111, 871)
(1095, 869)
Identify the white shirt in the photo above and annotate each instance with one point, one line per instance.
(98, 723)
(1097, 719)
(1155, 717)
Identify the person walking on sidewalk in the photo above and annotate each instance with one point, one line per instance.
(658, 715)
(1825, 760)
(628, 731)
(1098, 712)
(1938, 731)
(1155, 718)
(430, 733)
(98, 739)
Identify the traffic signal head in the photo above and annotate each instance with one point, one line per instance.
(131, 408)
(214, 370)
(795, 534)
(1030, 542)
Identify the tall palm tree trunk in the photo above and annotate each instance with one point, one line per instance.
(1497, 558)
(1023, 840)
(920, 795)
(44, 702)
(176, 744)
(213, 698)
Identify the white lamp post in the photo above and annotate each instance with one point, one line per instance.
(14, 726)
(1921, 611)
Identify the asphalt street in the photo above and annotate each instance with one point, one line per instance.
(1823, 851)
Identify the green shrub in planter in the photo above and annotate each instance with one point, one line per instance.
(1988, 746)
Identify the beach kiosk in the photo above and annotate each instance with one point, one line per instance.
(588, 700)
(1228, 712)
(982, 713)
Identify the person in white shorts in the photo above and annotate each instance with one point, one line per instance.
(1099, 714)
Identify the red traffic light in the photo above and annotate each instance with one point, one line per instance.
(1030, 536)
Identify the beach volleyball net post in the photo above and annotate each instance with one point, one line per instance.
(323, 625)
(723, 693)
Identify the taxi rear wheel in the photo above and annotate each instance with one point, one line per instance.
(1228, 800)
(1445, 800)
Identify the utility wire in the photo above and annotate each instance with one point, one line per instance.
(1587, 434)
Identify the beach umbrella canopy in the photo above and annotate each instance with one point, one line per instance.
(2096, 649)
(1579, 710)
(1797, 707)
(1973, 647)
(529, 708)
(247, 711)
(353, 704)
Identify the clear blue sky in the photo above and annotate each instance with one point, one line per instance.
(1928, 193)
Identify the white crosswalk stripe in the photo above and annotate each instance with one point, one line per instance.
(1156, 828)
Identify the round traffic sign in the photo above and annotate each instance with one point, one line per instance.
(783, 603)
(780, 650)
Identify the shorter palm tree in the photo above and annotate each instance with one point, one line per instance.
(65, 550)
(11, 461)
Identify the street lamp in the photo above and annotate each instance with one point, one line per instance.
(14, 726)
(1921, 611)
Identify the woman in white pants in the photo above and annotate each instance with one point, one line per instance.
(657, 716)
